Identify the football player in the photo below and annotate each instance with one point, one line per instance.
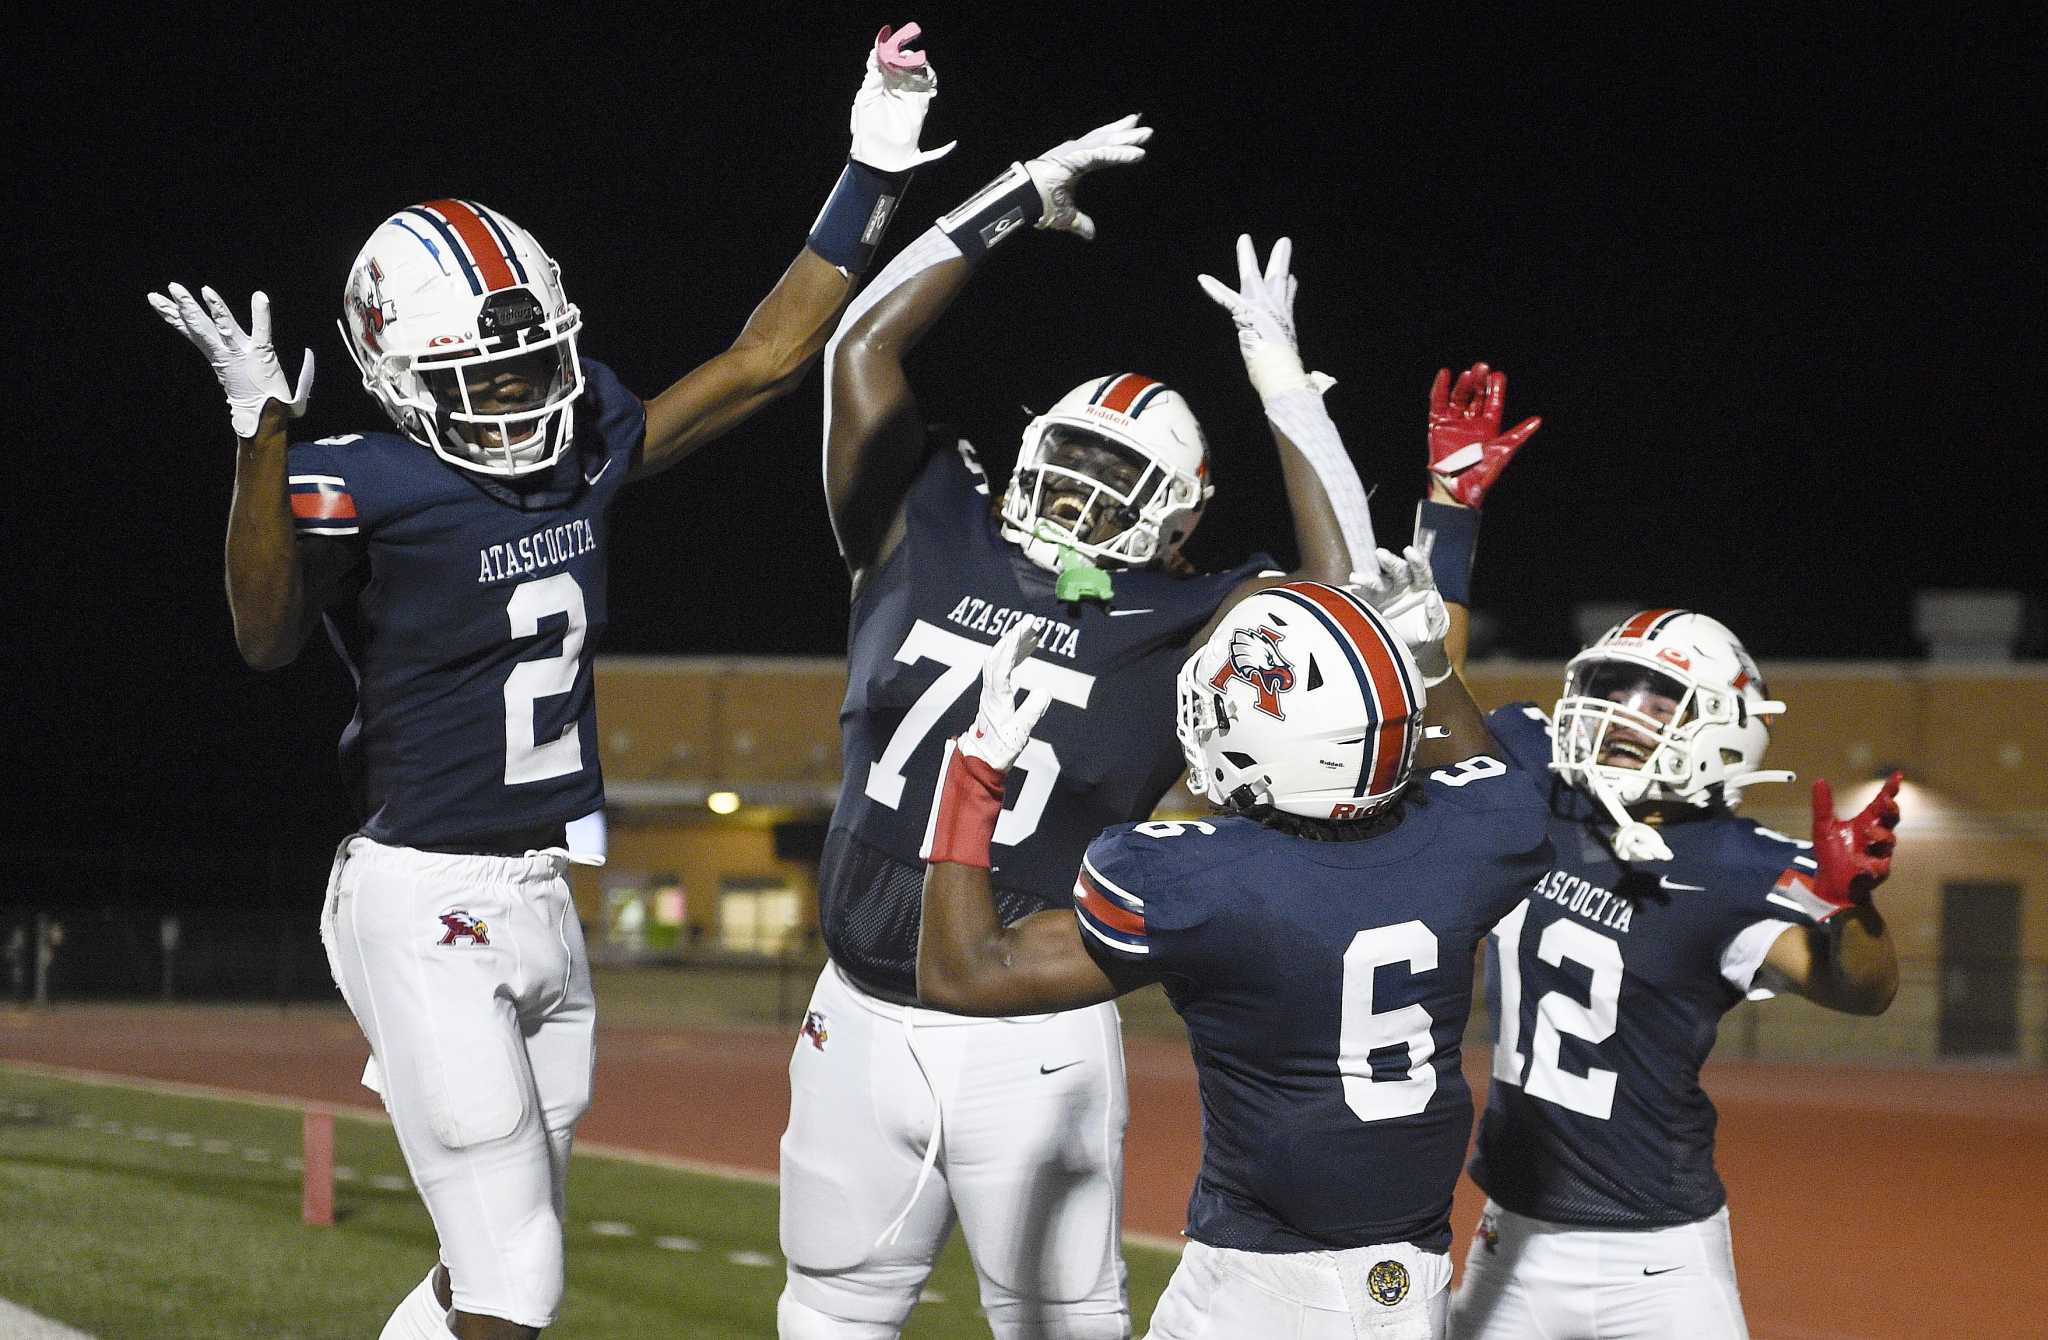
(909, 1117)
(459, 565)
(1317, 935)
(1663, 909)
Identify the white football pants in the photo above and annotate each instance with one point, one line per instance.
(1391, 1292)
(468, 977)
(902, 1118)
(1532, 1280)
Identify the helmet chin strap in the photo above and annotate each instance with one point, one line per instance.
(1633, 839)
(1748, 779)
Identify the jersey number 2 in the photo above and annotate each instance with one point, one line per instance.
(528, 759)
(961, 659)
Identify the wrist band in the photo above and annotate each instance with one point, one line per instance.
(1450, 536)
(994, 212)
(965, 810)
(849, 228)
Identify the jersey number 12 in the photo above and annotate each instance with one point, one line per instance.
(1542, 1074)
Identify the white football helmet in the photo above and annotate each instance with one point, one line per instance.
(1304, 700)
(1666, 706)
(1123, 448)
(457, 321)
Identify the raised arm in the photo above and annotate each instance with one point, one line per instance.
(1847, 962)
(1467, 452)
(274, 596)
(1402, 589)
(968, 962)
(1332, 525)
(874, 435)
(788, 330)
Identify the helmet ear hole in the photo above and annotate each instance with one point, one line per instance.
(1237, 760)
(1315, 675)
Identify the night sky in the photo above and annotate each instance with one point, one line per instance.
(1770, 281)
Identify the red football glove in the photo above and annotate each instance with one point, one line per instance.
(1854, 855)
(1467, 449)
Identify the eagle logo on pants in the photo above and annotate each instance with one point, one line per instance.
(814, 1028)
(457, 926)
(1255, 658)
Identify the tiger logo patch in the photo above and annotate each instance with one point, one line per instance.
(1387, 1282)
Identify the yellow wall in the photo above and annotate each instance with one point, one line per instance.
(1973, 744)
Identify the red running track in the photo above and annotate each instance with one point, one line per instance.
(1868, 1204)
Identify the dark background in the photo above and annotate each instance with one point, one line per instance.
(1769, 278)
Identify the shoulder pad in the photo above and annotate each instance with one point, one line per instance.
(1523, 730)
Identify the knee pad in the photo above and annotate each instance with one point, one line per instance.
(798, 1320)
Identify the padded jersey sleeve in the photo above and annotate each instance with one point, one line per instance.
(1137, 906)
(1771, 882)
(330, 523)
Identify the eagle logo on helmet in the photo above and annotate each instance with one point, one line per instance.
(372, 310)
(1255, 658)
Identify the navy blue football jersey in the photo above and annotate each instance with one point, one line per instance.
(471, 622)
(1325, 987)
(921, 627)
(1606, 989)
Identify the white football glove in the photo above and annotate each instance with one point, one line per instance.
(1054, 171)
(888, 112)
(1402, 589)
(244, 361)
(1263, 308)
(1002, 726)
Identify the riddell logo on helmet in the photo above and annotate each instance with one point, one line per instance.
(1255, 658)
(1349, 811)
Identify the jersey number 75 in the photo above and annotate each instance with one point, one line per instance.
(961, 658)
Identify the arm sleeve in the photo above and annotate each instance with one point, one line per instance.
(927, 249)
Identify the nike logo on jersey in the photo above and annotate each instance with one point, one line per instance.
(1055, 1069)
(1666, 882)
(1119, 614)
(1665, 1271)
(592, 479)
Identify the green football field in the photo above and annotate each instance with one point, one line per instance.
(135, 1215)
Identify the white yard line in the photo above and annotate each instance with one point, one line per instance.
(18, 1323)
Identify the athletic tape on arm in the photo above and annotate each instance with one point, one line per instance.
(1300, 415)
(929, 248)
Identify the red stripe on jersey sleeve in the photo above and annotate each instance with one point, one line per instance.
(1106, 910)
(324, 505)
